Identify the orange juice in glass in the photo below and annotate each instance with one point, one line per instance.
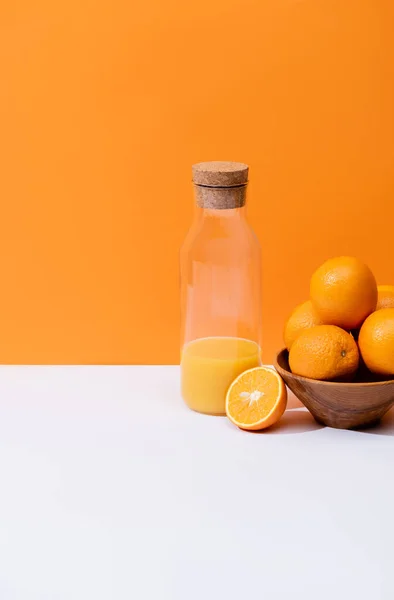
(220, 288)
(209, 366)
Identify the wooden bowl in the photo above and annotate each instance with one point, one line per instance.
(340, 405)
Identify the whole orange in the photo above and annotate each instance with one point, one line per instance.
(376, 341)
(343, 292)
(324, 352)
(385, 296)
(303, 317)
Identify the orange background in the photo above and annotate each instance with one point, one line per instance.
(104, 106)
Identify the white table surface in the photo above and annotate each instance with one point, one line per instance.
(111, 489)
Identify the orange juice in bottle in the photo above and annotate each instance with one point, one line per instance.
(220, 288)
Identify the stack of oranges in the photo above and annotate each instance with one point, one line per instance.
(348, 321)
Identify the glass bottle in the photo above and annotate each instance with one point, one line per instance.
(220, 288)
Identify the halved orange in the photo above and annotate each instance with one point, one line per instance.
(256, 399)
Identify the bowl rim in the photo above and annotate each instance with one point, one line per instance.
(336, 383)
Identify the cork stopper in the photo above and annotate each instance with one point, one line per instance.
(220, 185)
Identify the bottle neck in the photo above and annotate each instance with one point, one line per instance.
(228, 214)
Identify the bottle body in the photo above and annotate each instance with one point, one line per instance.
(220, 306)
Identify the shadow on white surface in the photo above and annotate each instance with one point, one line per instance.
(296, 420)
(385, 427)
